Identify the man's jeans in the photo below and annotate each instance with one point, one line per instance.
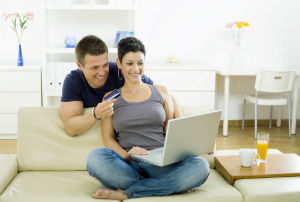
(140, 179)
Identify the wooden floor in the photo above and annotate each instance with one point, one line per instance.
(8, 146)
(236, 139)
(278, 139)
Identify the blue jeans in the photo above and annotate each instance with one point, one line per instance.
(140, 179)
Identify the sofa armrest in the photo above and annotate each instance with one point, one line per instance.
(9, 169)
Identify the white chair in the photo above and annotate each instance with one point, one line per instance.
(272, 88)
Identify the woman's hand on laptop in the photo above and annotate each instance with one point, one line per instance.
(138, 151)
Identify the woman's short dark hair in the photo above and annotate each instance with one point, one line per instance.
(130, 44)
(91, 45)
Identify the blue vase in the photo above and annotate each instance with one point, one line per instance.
(70, 41)
(20, 57)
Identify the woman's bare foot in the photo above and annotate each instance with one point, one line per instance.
(188, 191)
(110, 194)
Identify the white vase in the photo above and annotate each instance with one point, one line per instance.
(236, 61)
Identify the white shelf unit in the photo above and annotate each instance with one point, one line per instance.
(90, 7)
(103, 19)
(72, 50)
(198, 93)
(19, 87)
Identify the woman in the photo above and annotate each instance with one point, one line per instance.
(138, 125)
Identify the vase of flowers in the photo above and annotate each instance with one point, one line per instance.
(19, 24)
(237, 29)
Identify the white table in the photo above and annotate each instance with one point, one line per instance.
(230, 73)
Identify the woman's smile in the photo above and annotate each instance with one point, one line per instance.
(135, 75)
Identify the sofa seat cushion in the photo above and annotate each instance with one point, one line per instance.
(214, 189)
(9, 169)
(37, 186)
(270, 189)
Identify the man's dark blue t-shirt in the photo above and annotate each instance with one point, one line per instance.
(76, 88)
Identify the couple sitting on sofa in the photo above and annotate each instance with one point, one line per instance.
(138, 125)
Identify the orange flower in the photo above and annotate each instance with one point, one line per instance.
(237, 31)
(241, 24)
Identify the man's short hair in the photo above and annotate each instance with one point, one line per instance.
(91, 45)
(130, 44)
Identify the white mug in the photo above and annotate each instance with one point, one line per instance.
(247, 157)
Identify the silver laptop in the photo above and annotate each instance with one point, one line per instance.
(187, 136)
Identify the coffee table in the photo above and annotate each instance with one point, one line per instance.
(278, 165)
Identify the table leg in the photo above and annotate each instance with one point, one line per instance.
(294, 106)
(226, 99)
(278, 122)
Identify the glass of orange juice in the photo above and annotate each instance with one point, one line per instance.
(262, 146)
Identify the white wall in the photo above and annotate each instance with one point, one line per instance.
(194, 31)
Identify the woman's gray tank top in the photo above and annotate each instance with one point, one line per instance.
(140, 123)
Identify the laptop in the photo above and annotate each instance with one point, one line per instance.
(185, 137)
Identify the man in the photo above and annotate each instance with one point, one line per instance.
(86, 86)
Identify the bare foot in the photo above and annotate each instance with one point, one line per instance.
(188, 191)
(110, 194)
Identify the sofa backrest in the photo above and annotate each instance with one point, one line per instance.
(43, 143)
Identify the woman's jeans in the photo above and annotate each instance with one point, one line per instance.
(140, 179)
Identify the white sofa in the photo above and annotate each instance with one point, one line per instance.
(51, 166)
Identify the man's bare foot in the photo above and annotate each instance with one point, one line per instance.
(110, 194)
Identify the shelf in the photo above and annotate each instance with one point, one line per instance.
(60, 50)
(19, 91)
(54, 94)
(9, 137)
(26, 67)
(71, 50)
(90, 7)
(109, 16)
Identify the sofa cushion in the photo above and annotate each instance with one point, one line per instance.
(9, 169)
(270, 189)
(214, 189)
(37, 186)
(78, 186)
(43, 143)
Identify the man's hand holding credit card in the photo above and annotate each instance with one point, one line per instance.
(114, 94)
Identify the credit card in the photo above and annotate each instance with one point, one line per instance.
(114, 94)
